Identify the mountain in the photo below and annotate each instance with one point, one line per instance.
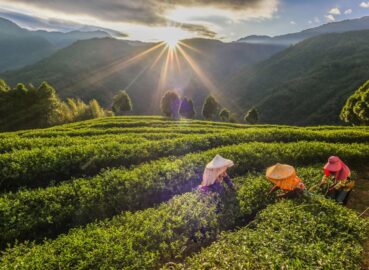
(62, 40)
(20, 47)
(333, 27)
(112, 33)
(98, 68)
(307, 83)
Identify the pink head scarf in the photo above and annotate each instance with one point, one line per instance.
(336, 166)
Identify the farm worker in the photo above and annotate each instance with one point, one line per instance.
(285, 178)
(215, 174)
(341, 175)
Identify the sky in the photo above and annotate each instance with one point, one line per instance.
(156, 20)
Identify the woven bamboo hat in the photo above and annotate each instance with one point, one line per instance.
(284, 176)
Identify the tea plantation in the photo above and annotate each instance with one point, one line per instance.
(119, 193)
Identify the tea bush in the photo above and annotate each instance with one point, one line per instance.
(32, 214)
(315, 234)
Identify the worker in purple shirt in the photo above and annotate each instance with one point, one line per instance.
(215, 174)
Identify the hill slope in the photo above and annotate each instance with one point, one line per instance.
(98, 68)
(333, 27)
(20, 47)
(307, 83)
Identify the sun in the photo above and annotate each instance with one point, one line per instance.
(172, 42)
(172, 36)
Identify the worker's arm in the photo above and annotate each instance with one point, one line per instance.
(228, 181)
(325, 179)
(273, 189)
(340, 184)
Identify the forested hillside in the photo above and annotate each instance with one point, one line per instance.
(20, 47)
(308, 83)
(293, 38)
(98, 68)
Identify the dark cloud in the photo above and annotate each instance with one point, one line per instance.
(147, 12)
(35, 23)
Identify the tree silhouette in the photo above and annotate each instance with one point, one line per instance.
(121, 103)
(169, 104)
(224, 115)
(252, 116)
(210, 108)
(186, 109)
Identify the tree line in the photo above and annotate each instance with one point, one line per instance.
(25, 107)
(172, 105)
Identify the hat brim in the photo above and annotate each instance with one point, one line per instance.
(333, 167)
(225, 164)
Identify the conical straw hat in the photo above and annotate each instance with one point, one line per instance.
(219, 162)
(280, 171)
(284, 176)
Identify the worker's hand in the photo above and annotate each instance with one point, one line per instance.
(340, 184)
(324, 180)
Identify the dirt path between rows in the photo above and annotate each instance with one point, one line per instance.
(359, 201)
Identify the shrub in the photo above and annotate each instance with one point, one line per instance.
(316, 234)
(48, 211)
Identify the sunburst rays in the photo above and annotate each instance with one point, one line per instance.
(172, 55)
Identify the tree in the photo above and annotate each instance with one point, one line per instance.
(210, 108)
(76, 110)
(4, 86)
(186, 109)
(30, 107)
(224, 115)
(356, 109)
(169, 104)
(121, 103)
(252, 116)
(233, 118)
(47, 108)
(23, 108)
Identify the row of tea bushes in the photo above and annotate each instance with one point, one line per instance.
(146, 239)
(313, 234)
(40, 166)
(32, 214)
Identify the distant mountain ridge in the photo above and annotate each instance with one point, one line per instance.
(293, 38)
(20, 47)
(308, 83)
(96, 68)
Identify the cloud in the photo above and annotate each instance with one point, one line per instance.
(348, 11)
(148, 12)
(335, 11)
(292, 22)
(330, 18)
(35, 23)
(310, 22)
(316, 20)
(364, 4)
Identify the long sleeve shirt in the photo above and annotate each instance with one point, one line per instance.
(218, 186)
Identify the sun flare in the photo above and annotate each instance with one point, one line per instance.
(172, 36)
(172, 42)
